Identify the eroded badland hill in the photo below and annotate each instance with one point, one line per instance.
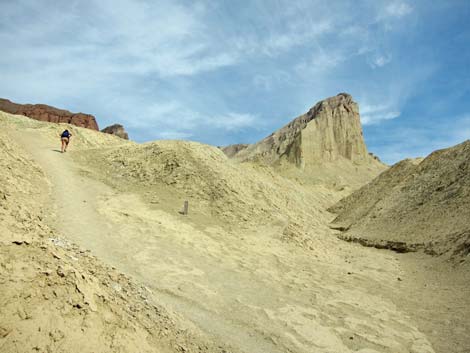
(95, 255)
(416, 204)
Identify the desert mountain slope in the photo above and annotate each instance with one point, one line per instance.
(325, 144)
(44, 112)
(417, 204)
(253, 265)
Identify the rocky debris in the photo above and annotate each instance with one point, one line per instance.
(116, 129)
(329, 131)
(422, 203)
(232, 150)
(397, 246)
(47, 113)
(70, 302)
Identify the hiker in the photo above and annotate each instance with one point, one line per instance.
(65, 139)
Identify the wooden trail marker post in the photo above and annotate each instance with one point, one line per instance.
(185, 208)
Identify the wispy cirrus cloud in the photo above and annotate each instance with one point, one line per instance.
(111, 38)
(398, 9)
(162, 38)
(175, 120)
(322, 61)
(380, 60)
(296, 34)
(374, 114)
(272, 80)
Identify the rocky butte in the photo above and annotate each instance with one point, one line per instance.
(47, 113)
(329, 131)
(116, 129)
(323, 146)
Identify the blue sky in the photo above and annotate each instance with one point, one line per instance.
(224, 72)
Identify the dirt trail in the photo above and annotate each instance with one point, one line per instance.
(249, 290)
(74, 198)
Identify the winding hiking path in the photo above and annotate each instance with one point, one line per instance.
(252, 290)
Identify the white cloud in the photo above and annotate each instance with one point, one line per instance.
(380, 61)
(398, 9)
(270, 81)
(322, 61)
(374, 114)
(234, 121)
(174, 120)
(164, 38)
(118, 37)
(297, 34)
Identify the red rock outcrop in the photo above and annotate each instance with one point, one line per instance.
(44, 112)
(116, 129)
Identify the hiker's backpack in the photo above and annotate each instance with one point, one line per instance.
(66, 133)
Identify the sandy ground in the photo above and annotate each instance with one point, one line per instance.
(437, 296)
(251, 290)
(246, 287)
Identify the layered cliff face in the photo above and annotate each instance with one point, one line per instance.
(116, 129)
(47, 113)
(329, 131)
